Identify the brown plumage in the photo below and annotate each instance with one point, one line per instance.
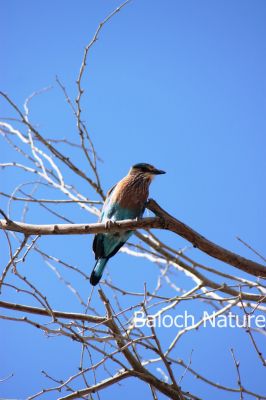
(132, 191)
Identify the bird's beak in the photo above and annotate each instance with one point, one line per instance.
(158, 172)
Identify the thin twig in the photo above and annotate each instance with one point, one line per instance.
(237, 364)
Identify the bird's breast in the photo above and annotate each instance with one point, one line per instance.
(131, 194)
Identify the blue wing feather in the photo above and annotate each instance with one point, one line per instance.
(108, 244)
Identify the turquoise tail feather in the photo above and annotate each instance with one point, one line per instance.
(97, 271)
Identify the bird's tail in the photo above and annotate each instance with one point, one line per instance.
(98, 271)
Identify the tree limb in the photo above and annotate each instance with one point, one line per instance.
(58, 314)
(162, 221)
(99, 386)
(205, 245)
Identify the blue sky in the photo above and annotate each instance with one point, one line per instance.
(179, 84)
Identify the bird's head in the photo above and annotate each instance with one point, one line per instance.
(147, 170)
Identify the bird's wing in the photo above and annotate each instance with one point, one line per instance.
(106, 246)
(106, 205)
(107, 211)
(97, 246)
(110, 191)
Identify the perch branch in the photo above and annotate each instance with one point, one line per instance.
(163, 220)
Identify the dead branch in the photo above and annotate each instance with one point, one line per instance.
(162, 221)
(58, 314)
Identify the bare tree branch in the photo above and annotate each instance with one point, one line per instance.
(163, 221)
(58, 314)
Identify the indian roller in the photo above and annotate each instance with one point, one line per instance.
(125, 200)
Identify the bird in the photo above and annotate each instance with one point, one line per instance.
(125, 200)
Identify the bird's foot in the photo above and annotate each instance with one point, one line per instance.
(109, 223)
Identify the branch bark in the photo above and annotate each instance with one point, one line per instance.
(97, 387)
(163, 220)
(171, 391)
(206, 245)
(58, 314)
